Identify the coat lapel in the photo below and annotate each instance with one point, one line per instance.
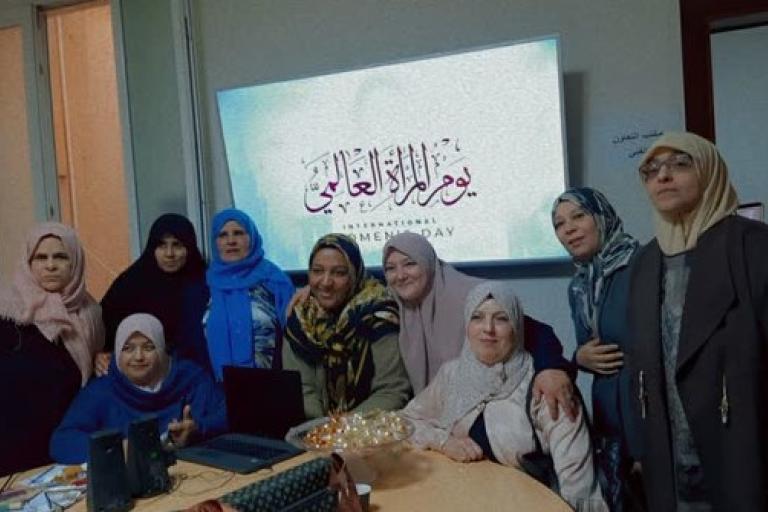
(709, 293)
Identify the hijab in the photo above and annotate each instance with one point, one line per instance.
(150, 327)
(342, 342)
(475, 383)
(178, 386)
(587, 288)
(177, 299)
(679, 233)
(230, 324)
(71, 315)
(432, 331)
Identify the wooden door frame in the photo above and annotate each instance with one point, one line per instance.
(698, 20)
(46, 201)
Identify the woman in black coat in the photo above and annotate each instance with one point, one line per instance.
(699, 315)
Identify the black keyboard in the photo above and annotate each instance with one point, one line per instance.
(254, 449)
(300, 489)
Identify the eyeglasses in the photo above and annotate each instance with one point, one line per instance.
(675, 163)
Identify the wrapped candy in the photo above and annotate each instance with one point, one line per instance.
(358, 431)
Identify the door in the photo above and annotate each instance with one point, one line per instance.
(87, 130)
(23, 197)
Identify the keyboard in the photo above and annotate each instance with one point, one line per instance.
(302, 488)
(239, 452)
(242, 447)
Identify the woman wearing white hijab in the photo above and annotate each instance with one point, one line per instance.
(479, 404)
(699, 316)
(142, 379)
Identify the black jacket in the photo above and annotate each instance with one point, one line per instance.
(722, 366)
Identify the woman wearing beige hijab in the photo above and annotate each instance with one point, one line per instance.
(50, 330)
(699, 314)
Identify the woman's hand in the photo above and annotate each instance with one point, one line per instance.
(300, 297)
(182, 431)
(101, 363)
(557, 390)
(462, 449)
(603, 359)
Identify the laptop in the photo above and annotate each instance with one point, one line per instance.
(754, 211)
(262, 404)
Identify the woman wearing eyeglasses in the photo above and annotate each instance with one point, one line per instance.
(699, 316)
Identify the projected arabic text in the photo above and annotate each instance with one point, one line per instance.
(362, 180)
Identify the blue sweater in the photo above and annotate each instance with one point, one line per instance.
(112, 402)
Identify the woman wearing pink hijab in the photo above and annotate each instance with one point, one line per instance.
(50, 330)
(431, 295)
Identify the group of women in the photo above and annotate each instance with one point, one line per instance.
(673, 332)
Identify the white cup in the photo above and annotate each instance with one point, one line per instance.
(364, 492)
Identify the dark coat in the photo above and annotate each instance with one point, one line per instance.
(38, 379)
(722, 366)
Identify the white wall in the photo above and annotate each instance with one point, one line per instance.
(621, 58)
(155, 109)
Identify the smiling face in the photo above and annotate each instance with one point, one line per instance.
(330, 279)
(233, 242)
(577, 230)
(140, 361)
(406, 277)
(51, 264)
(674, 188)
(170, 254)
(491, 333)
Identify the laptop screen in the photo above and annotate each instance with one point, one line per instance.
(263, 402)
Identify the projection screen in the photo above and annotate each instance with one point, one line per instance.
(466, 149)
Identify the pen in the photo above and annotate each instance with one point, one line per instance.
(66, 488)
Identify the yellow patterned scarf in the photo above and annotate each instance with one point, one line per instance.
(342, 342)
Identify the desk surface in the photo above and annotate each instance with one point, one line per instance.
(404, 480)
(417, 480)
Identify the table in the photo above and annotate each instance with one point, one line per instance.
(406, 479)
(426, 480)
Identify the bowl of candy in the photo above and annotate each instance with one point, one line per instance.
(352, 432)
(366, 441)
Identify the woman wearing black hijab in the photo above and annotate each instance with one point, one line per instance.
(168, 282)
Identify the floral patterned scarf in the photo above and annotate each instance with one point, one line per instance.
(616, 249)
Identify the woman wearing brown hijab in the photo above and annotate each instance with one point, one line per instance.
(699, 314)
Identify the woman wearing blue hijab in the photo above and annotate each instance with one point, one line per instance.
(591, 231)
(249, 294)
